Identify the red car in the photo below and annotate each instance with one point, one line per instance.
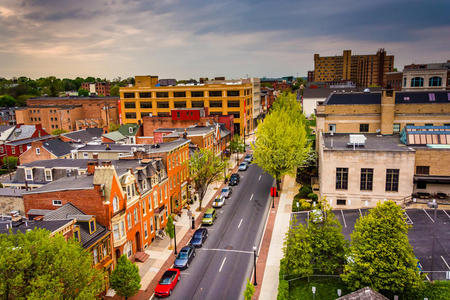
(167, 283)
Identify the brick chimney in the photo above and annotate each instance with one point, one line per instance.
(91, 167)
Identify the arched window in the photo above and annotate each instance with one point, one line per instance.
(115, 204)
(435, 81)
(417, 82)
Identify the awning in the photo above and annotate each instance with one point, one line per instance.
(432, 179)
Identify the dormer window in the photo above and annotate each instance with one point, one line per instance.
(48, 175)
(28, 174)
(92, 226)
(144, 184)
(76, 233)
(130, 129)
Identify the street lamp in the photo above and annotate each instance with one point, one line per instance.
(433, 204)
(175, 237)
(254, 265)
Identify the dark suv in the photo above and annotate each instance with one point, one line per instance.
(234, 179)
(187, 253)
(199, 237)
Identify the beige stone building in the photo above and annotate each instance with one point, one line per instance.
(11, 200)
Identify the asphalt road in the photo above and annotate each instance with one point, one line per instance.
(222, 265)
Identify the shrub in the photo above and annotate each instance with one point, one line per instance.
(303, 204)
(283, 290)
(313, 197)
(304, 191)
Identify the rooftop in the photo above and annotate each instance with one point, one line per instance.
(84, 135)
(76, 98)
(8, 192)
(23, 226)
(57, 147)
(82, 182)
(373, 142)
(419, 97)
(29, 140)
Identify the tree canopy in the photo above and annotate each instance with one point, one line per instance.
(83, 92)
(36, 266)
(380, 255)
(125, 278)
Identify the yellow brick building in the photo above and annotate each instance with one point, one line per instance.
(145, 98)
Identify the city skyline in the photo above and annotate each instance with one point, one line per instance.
(191, 39)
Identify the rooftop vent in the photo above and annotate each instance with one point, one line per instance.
(366, 90)
(357, 140)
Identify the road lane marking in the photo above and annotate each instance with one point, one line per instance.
(446, 213)
(225, 250)
(421, 267)
(445, 262)
(428, 215)
(240, 223)
(223, 262)
(259, 178)
(251, 197)
(343, 218)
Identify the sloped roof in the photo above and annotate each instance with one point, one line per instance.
(85, 135)
(30, 225)
(57, 147)
(363, 294)
(125, 129)
(114, 136)
(23, 132)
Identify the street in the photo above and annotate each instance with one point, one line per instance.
(222, 265)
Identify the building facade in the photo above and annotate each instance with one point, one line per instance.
(426, 77)
(97, 88)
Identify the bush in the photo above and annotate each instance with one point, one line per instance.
(303, 204)
(283, 290)
(304, 191)
(313, 197)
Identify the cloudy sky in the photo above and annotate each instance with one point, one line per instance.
(193, 38)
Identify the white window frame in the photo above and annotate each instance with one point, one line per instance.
(145, 230)
(115, 203)
(85, 155)
(129, 221)
(38, 151)
(31, 174)
(13, 150)
(49, 178)
(116, 230)
(151, 225)
(57, 202)
(144, 207)
(1, 149)
(149, 203)
(136, 218)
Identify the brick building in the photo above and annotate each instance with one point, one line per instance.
(97, 88)
(44, 150)
(394, 80)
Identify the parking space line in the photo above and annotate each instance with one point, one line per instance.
(223, 262)
(251, 197)
(259, 178)
(240, 223)
(410, 220)
(343, 218)
(428, 215)
(225, 250)
(446, 213)
(445, 262)
(421, 267)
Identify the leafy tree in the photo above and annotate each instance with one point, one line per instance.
(36, 266)
(113, 127)
(249, 290)
(380, 254)
(10, 162)
(7, 101)
(281, 140)
(82, 92)
(237, 145)
(50, 85)
(125, 278)
(58, 131)
(297, 251)
(205, 168)
(170, 226)
(114, 90)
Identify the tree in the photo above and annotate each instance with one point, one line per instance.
(113, 127)
(82, 92)
(114, 90)
(249, 290)
(58, 131)
(205, 168)
(282, 139)
(50, 85)
(237, 145)
(7, 101)
(10, 162)
(170, 226)
(380, 254)
(328, 244)
(125, 278)
(35, 265)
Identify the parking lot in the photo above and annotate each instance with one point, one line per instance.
(421, 235)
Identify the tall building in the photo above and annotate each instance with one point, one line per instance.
(97, 88)
(145, 98)
(364, 70)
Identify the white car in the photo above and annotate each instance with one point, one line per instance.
(226, 192)
(219, 202)
(243, 166)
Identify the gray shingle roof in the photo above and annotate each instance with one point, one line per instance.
(85, 135)
(363, 294)
(11, 192)
(23, 226)
(58, 147)
(23, 132)
(82, 182)
(30, 140)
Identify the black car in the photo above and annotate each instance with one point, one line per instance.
(185, 256)
(199, 237)
(234, 179)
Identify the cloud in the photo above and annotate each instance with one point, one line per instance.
(192, 38)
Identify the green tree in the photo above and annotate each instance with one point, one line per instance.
(10, 162)
(7, 101)
(58, 131)
(282, 139)
(380, 254)
(35, 265)
(205, 168)
(170, 226)
(125, 278)
(328, 244)
(50, 85)
(237, 145)
(114, 90)
(82, 92)
(249, 290)
(113, 127)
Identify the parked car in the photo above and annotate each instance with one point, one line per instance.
(219, 202)
(226, 192)
(243, 166)
(209, 217)
(184, 257)
(167, 283)
(199, 237)
(234, 179)
(248, 158)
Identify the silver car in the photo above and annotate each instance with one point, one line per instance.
(243, 166)
(226, 192)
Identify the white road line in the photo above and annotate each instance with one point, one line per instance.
(446, 213)
(343, 218)
(251, 197)
(223, 262)
(428, 278)
(445, 262)
(240, 223)
(225, 250)
(409, 218)
(259, 178)
(360, 214)
(428, 215)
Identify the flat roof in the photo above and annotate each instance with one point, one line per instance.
(374, 142)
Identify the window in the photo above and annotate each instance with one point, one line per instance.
(95, 254)
(145, 230)
(57, 202)
(151, 224)
(129, 221)
(341, 178)
(435, 81)
(162, 94)
(197, 94)
(128, 95)
(215, 93)
(392, 180)
(235, 114)
(130, 129)
(145, 95)
(91, 226)
(48, 175)
(341, 202)
(28, 174)
(116, 231)
(130, 115)
(136, 219)
(1, 149)
(85, 155)
(130, 104)
(423, 170)
(215, 103)
(165, 191)
(163, 114)
(417, 82)
(179, 94)
(145, 114)
(115, 204)
(363, 127)
(396, 127)
(162, 104)
(421, 185)
(146, 104)
(76, 233)
(233, 103)
(155, 199)
(198, 104)
(13, 150)
(332, 128)
(144, 184)
(160, 196)
(179, 104)
(232, 93)
(429, 124)
(366, 179)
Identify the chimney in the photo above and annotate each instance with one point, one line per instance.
(107, 163)
(91, 167)
(95, 156)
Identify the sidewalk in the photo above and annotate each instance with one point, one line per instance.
(271, 251)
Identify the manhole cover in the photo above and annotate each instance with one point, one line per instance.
(229, 247)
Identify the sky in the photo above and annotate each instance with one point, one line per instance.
(185, 39)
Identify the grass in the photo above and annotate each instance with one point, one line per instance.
(326, 288)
